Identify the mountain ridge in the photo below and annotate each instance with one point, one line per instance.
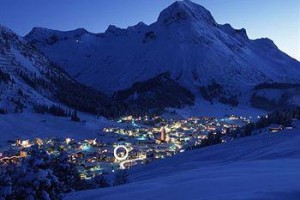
(185, 41)
(29, 79)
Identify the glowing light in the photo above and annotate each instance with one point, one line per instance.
(85, 147)
(25, 143)
(141, 138)
(68, 140)
(117, 156)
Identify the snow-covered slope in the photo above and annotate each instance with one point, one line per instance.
(28, 125)
(25, 69)
(28, 78)
(265, 166)
(185, 41)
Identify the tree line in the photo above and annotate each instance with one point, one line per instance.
(282, 117)
(215, 91)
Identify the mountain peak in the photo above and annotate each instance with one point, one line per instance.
(115, 31)
(38, 30)
(138, 27)
(39, 33)
(4, 28)
(185, 10)
(7, 34)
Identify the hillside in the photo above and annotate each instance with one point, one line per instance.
(264, 166)
(156, 93)
(183, 108)
(28, 125)
(28, 79)
(185, 41)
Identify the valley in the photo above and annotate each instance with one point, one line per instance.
(264, 166)
(184, 107)
(144, 138)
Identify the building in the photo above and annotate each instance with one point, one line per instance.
(273, 128)
(162, 134)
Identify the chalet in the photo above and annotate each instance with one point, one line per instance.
(273, 128)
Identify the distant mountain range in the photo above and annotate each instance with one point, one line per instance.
(196, 56)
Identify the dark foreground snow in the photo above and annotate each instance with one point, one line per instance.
(265, 166)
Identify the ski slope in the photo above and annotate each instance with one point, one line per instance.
(265, 166)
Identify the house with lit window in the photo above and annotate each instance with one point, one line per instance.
(274, 128)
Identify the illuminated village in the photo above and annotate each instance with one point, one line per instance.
(144, 138)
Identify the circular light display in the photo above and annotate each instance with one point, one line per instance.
(116, 155)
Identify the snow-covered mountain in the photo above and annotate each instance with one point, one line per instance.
(185, 41)
(22, 69)
(28, 78)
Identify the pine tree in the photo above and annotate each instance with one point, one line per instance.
(35, 180)
(75, 117)
(66, 172)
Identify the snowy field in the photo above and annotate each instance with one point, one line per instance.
(265, 166)
(28, 126)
